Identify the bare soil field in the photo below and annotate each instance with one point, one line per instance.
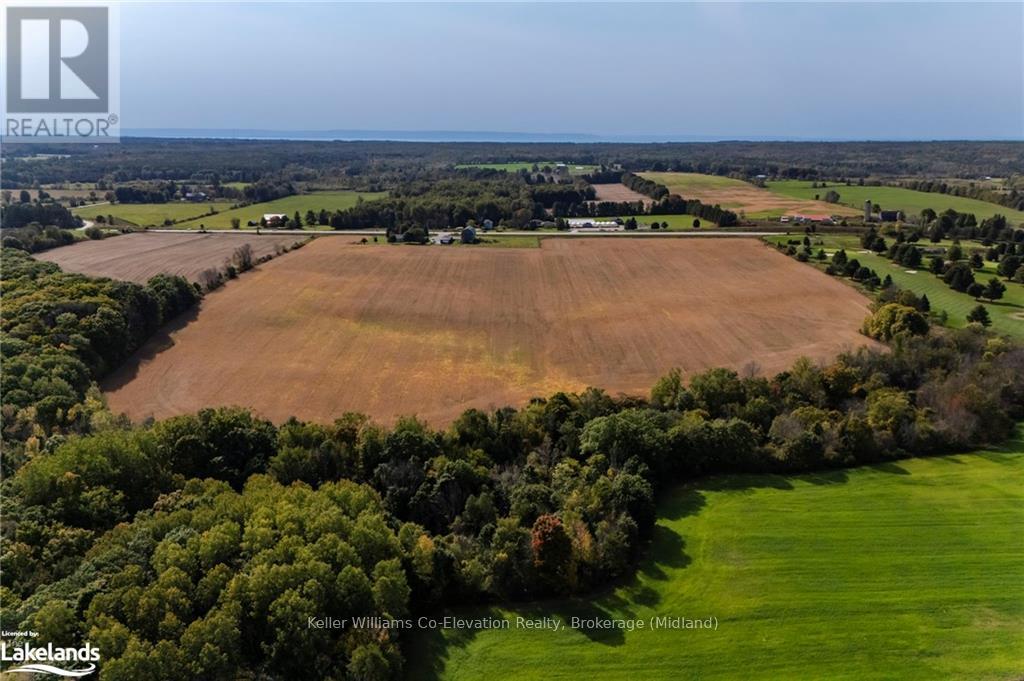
(137, 257)
(398, 330)
(737, 195)
(619, 192)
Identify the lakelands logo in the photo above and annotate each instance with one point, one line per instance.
(68, 662)
(61, 74)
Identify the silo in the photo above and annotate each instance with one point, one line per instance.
(867, 210)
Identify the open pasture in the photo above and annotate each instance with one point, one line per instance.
(137, 257)
(151, 214)
(330, 201)
(909, 201)
(904, 570)
(392, 331)
(739, 196)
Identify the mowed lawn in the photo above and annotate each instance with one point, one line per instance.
(895, 198)
(316, 201)
(148, 214)
(906, 570)
(1007, 314)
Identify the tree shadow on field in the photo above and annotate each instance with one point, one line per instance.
(663, 558)
(890, 467)
(667, 549)
(830, 477)
(157, 343)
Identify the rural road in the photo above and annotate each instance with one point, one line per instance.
(380, 232)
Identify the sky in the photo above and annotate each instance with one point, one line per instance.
(678, 70)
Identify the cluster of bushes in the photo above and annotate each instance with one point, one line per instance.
(242, 260)
(953, 225)
(62, 332)
(17, 215)
(33, 238)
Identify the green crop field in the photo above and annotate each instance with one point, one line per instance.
(315, 201)
(146, 214)
(1007, 313)
(896, 198)
(906, 570)
(574, 169)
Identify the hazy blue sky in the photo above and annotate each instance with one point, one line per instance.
(817, 70)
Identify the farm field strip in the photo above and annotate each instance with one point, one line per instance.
(137, 257)
(619, 192)
(144, 214)
(909, 201)
(331, 200)
(392, 331)
(905, 570)
(739, 196)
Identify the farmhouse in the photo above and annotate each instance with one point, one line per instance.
(270, 218)
(195, 196)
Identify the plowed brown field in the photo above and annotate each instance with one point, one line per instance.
(137, 257)
(393, 330)
(619, 192)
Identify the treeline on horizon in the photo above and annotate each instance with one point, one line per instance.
(193, 546)
(351, 162)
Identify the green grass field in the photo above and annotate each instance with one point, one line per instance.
(327, 200)
(676, 223)
(574, 169)
(906, 570)
(1007, 314)
(146, 214)
(896, 198)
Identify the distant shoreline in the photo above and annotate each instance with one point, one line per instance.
(492, 137)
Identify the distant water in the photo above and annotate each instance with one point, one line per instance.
(423, 135)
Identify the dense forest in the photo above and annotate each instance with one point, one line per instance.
(352, 162)
(60, 334)
(200, 545)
